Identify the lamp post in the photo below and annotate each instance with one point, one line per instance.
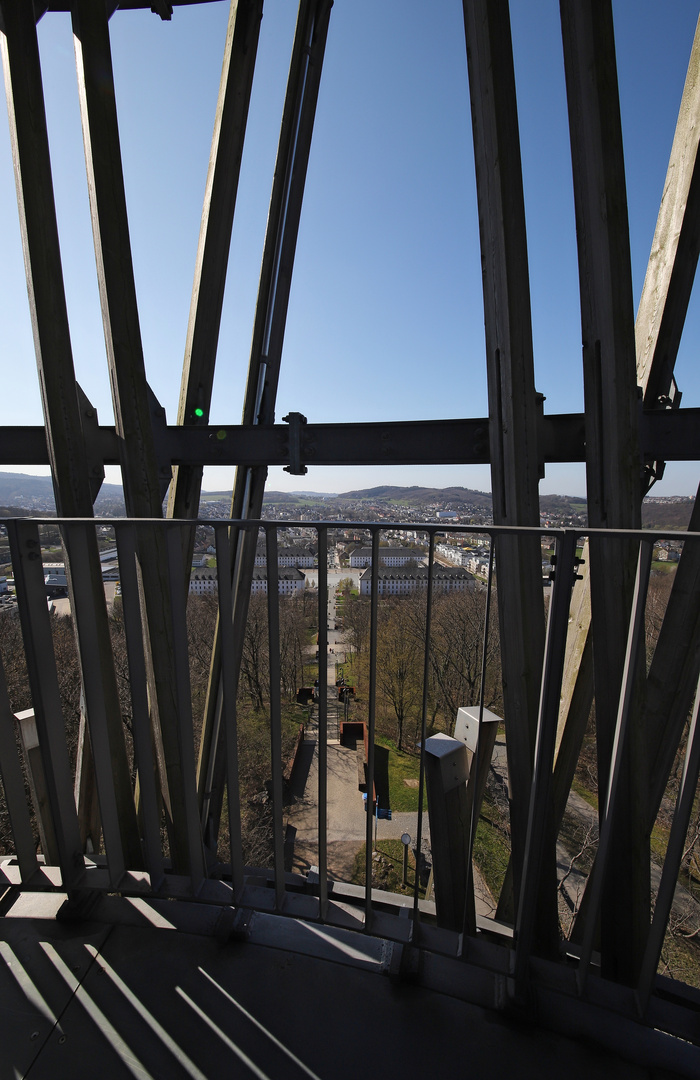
(405, 840)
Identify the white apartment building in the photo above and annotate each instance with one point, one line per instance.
(287, 556)
(388, 556)
(454, 554)
(290, 581)
(399, 582)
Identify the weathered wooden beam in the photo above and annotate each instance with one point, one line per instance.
(131, 398)
(674, 251)
(266, 348)
(46, 699)
(13, 784)
(214, 243)
(674, 669)
(59, 392)
(514, 408)
(612, 439)
(658, 328)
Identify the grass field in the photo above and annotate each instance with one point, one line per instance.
(397, 767)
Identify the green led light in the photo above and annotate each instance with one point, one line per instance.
(199, 413)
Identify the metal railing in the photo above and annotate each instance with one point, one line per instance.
(172, 858)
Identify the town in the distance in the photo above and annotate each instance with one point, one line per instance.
(462, 557)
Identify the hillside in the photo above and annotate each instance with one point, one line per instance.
(670, 513)
(22, 494)
(420, 496)
(35, 493)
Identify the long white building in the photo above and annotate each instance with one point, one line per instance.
(400, 581)
(388, 556)
(290, 581)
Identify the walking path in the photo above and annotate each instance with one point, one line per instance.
(346, 817)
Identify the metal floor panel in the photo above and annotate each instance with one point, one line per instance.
(41, 963)
(160, 1004)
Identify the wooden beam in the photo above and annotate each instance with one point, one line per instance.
(658, 327)
(131, 399)
(660, 318)
(674, 251)
(214, 242)
(613, 464)
(266, 349)
(59, 393)
(514, 408)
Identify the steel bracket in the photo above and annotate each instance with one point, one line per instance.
(296, 421)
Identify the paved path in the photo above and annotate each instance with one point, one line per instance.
(346, 817)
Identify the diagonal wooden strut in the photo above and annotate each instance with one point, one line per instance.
(513, 411)
(132, 409)
(214, 243)
(265, 357)
(59, 392)
(658, 329)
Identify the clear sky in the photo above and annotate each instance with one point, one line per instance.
(386, 313)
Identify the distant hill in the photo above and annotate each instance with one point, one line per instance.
(35, 493)
(575, 504)
(670, 513)
(420, 496)
(22, 494)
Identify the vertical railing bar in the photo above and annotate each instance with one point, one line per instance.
(13, 785)
(474, 820)
(228, 707)
(273, 628)
(149, 798)
(672, 861)
(323, 723)
(371, 809)
(25, 551)
(88, 642)
(540, 808)
(185, 735)
(634, 641)
(423, 729)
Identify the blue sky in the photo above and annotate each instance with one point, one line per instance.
(386, 315)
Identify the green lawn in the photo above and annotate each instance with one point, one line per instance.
(399, 766)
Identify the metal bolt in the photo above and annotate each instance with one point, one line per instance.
(34, 1035)
(62, 1039)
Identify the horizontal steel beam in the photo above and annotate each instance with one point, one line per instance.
(668, 435)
